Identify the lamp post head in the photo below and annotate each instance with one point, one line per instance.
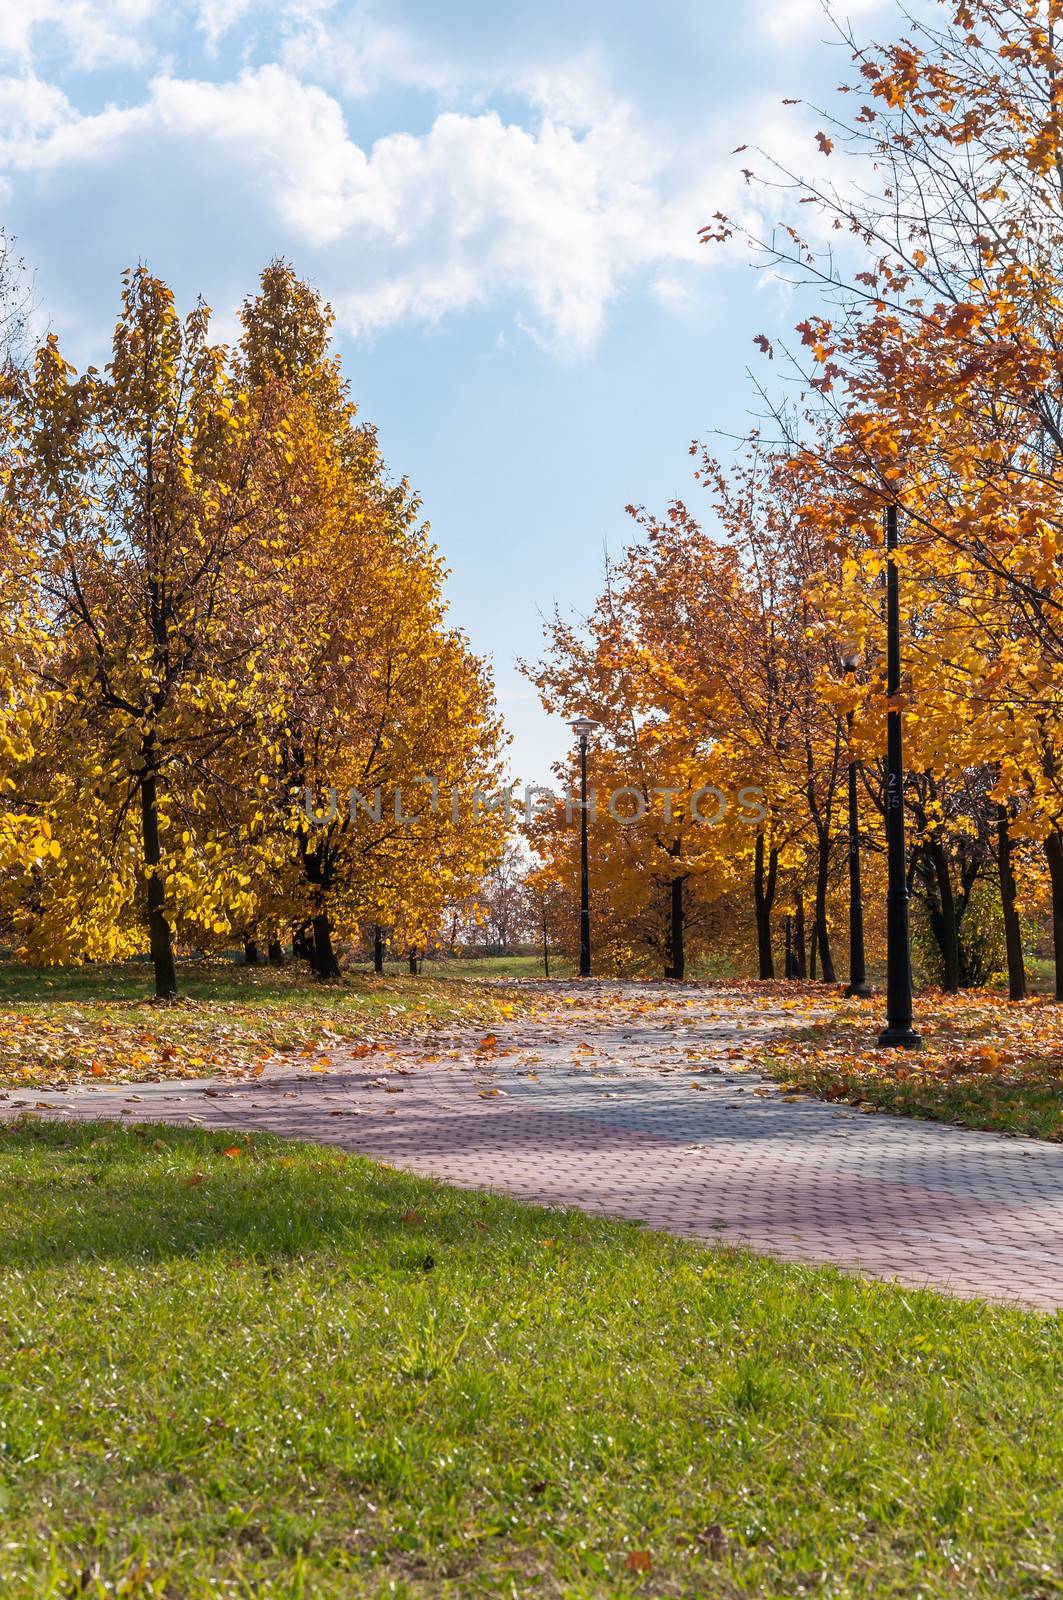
(583, 727)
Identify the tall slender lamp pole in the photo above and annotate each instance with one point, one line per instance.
(583, 727)
(858, 984)
(898, 1032)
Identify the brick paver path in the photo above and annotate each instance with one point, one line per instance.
(637, 1105)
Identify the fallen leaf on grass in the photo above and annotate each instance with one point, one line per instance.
(638, 1561)
(714, 1540)
(232, 1152)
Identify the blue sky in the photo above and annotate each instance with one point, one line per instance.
(500, 200)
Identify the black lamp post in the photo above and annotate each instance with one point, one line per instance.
(583, 727)
(898, 1032)
(858, 984)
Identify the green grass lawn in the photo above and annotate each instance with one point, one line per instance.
(515, 966)
(58, 1025)
(1031, 1106)
(230, 1366)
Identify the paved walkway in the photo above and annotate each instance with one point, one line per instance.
(651, 1117)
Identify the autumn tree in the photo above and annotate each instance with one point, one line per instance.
(664, 847)
(939, 254)
(146, 491)
(226, 611)
(373, 694)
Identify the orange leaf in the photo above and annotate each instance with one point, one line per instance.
(638, 1561)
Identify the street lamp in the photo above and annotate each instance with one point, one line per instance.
(858, 984)
(583, 727)
(898, 1031)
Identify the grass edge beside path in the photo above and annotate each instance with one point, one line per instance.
(985, 1064)
(59, 1027)
(232, 1365)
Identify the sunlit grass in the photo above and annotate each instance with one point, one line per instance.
(984, 1064)
(61, 1024)
(234, 1366)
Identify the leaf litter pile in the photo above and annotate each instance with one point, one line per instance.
(100, 1026)
(985, 1062)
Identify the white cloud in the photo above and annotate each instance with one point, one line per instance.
(215, 18)
(559, 219)
(357, 52)
(29, 109)
(43, 130)
(91, 33)
(784, 22)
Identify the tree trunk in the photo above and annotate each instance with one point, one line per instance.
(160, 938)
(251, 957)
(813, 950)
(763, 900)
(943, 918)
(824, 843)
(276, 953)
(378, 950)
(413, 964)
(1054, 853)
(325, 963)
(303, 944)
(800, 967)
(546, 945)
(1008, 900)
(677, 961)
